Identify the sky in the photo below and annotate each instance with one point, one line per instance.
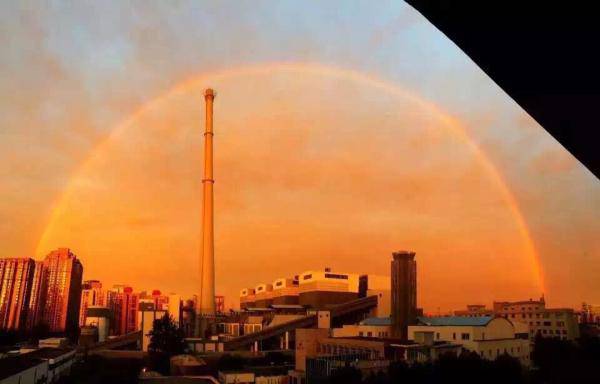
(344, 131)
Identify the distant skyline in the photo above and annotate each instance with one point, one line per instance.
(343, 132)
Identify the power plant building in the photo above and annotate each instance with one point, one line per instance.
(317, 289)
(285, 291)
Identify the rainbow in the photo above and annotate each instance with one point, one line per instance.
(451, 123)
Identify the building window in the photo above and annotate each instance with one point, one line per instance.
(437, 335)
(306, 277)
(369, 334)
(547, 323)
(336, 276)
(483, 335)
(454, 336)
(360, 333)
(464, 336)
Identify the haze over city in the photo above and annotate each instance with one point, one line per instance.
(335, 145)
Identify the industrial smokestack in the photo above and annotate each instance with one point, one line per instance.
(206, 300)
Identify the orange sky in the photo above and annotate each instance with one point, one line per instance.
(302, 182)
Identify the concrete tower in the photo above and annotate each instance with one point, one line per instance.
(206, 300)
(404, 292)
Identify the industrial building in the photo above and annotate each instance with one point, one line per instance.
(318, 289)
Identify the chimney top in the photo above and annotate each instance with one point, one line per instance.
(403, 255)
(209, 92)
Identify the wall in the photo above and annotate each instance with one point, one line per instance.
(307, 343)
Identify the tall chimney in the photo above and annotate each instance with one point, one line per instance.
(206, 304)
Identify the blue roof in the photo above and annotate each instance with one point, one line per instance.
(380, 321)
(456, 321)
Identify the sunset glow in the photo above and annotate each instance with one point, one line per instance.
(171, 117)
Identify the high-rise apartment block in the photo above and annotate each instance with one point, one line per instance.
(91, 295)
(123, 303)
(16, 280)
(64, 275)
(39, 291)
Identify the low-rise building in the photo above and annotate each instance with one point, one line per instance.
(255, 375)
(375, 327)
(99, 317)
(23, 370)
(39, 366)
(318, 353)
(487, 336)
(53, 342)
(474, 310)
(546, 322)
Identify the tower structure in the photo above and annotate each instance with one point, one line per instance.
(206, 299)
(404, 292)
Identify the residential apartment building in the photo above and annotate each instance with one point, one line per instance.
(123, 303)
(64, 276)
(91, 295)
(16, 280)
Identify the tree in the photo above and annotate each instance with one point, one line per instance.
(166, 337)
(166, 340)
(345, 375)
(564, 361)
